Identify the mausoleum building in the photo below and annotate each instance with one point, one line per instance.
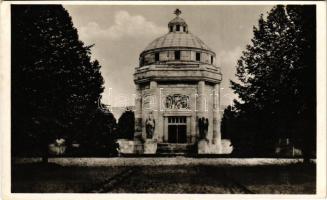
(178, 93)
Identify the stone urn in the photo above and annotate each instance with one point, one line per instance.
(58, 147)
(125, 146)
(57, 150)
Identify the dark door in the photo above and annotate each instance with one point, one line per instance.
(181, 134)
(172, 133)
(177, 129)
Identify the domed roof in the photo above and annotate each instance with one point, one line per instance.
(177, 39)
(177, 20)
(178, 36)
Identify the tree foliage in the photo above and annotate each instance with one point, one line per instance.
(55, 85)
(276, 83)
(100, 138)
(126, 125)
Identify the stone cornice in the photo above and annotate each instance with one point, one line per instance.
(192, 73)
(172, 48)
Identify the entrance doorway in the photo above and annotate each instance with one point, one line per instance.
(177, 129)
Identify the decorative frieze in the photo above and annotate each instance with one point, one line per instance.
(177, 101)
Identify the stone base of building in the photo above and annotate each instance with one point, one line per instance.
(205, 147)
(129, 146)
(150, 146)
(226, 146)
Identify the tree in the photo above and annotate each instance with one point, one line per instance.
(103, 128)
(55, 85)
(304, 22)
(126, 125)
(276, 82)
(227, 122)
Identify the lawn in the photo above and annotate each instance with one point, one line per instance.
(53, 178)
(155, 178)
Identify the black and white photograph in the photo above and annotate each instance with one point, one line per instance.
(163, 98)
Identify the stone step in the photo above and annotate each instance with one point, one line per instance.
(176, 149)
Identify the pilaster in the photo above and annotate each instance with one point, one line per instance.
(216, 116)
(138, 111)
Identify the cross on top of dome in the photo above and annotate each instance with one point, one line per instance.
(177, 12)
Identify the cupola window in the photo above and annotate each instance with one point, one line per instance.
(141, 61)
(211, 61)
(184, 29)
(178, 28)
(197, 56)
(171, 28)
(177, 55)
(156, 56)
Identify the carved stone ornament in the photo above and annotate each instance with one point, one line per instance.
(177, 101)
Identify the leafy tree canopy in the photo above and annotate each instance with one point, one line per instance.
(276, 81)
(126, 125)
(55, 84)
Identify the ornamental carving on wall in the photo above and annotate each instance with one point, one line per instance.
(177, 101)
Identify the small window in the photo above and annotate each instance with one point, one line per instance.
(156, 56)
(177, 27)
(211, 57)
(171, 29)
(184, 29)
(141, 61)
(177, 55)
(197, 55)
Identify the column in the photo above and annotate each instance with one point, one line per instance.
(216, 136)
(155, 107)
(165, 135)
(138, 111)
(153, 85)
(200, 107)
(188, 130)
(193, 128)
(201, 100)
(193, 118)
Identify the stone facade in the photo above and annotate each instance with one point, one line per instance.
(177, 83)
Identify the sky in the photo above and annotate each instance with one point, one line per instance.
(121, 32)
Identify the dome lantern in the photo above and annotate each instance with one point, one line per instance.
(178, 24)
